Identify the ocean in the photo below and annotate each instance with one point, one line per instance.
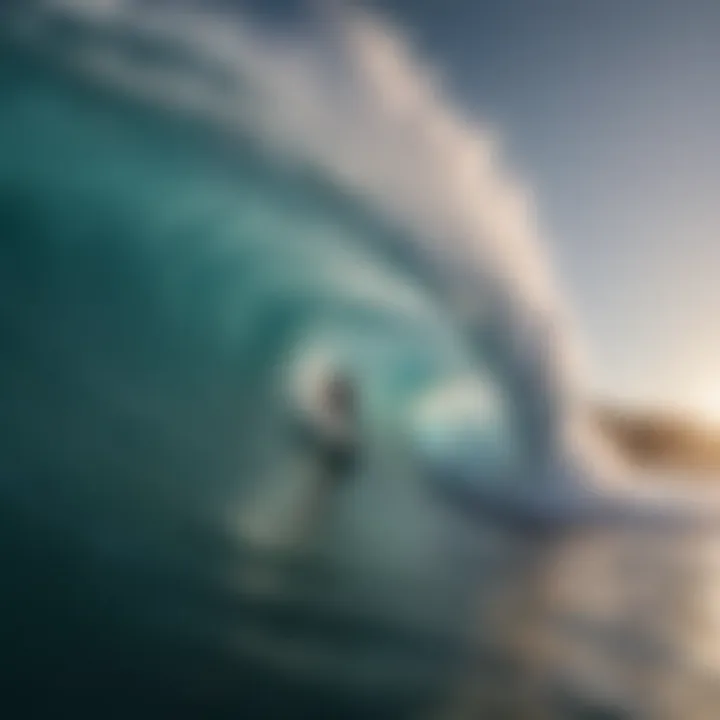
(198, 222)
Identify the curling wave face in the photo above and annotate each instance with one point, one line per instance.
(167, 280)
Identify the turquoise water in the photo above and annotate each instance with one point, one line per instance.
(164, 285)
(168, 287)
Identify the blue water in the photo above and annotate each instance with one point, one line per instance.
(166, 282)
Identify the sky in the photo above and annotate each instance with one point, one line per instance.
(609, 110)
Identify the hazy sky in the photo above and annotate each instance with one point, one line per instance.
(610, 109)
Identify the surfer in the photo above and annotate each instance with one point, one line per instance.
(293, 505)
(328, 432)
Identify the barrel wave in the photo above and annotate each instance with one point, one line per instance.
(171, 266)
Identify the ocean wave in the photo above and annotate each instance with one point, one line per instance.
(345, 102)
(197, 219)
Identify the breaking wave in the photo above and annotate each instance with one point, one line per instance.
(196, 217)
